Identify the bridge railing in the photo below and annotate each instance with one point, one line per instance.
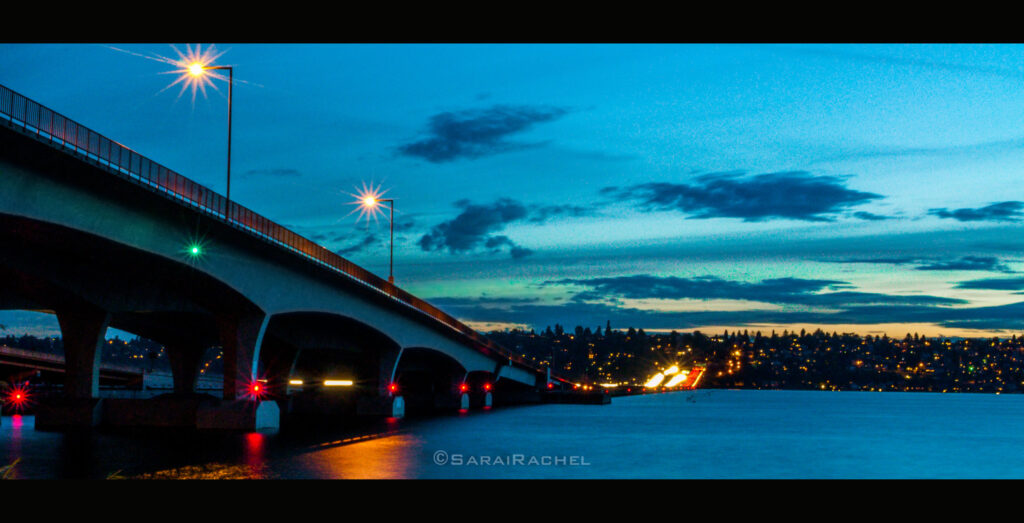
(31, 118)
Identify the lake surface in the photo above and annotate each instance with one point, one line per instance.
(701, 434)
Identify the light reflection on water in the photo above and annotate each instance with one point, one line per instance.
(388, 457)
(707, 434)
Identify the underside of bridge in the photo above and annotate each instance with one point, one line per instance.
(101, 252)
(91, 283)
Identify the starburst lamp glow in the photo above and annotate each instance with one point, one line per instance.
(194, 70)
(369, 201)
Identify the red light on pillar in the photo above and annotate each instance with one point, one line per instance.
(551, 385)
(18, 397)
(258, 389)
(393, 388)
(463, 387)
(487, 386)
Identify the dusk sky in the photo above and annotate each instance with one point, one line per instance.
(856, 188)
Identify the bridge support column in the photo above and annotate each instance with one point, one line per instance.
(386, 402)
(82, 331)
(387, 406)
(386, 367)
(241, 339)
(185, 360)
(240, 409)
(478, 399)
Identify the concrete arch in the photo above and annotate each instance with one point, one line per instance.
(108, 274)
(320, 345)
(428, 380)
(427, 359)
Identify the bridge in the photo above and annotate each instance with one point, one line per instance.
(102, 236)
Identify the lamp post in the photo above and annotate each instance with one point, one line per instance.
(370, 203)
(197, 69)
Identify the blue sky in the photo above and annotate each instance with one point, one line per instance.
(861, 188)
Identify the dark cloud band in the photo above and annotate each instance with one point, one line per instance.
(1011, 211)
(795, 195)
(477, 132)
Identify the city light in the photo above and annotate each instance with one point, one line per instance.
(338, 383)
(677, 379)
(655, 380)
(295, 382)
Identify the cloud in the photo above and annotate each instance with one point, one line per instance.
(542, 213)
(483, 301)
(1010, 211)
(968, 263)
(495, 243)
(473, 228)
(864, 215)
(852, 152)
(404, 224)
(643, 286)
(905, 260)
(280, 171)
(965, 263)
(911, 63)
(795, 195)
(476, 226)
(776, 290)
(588, 313)
(837, 308)
(997, 284)
(367, 241)
(474, 133)
(518, 252)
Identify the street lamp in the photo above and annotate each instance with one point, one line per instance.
(370, 203)
(197, 70)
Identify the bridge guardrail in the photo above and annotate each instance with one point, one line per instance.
(47, 125)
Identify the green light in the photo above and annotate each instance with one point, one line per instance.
(195, 250)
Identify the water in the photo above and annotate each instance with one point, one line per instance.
(703, 434)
